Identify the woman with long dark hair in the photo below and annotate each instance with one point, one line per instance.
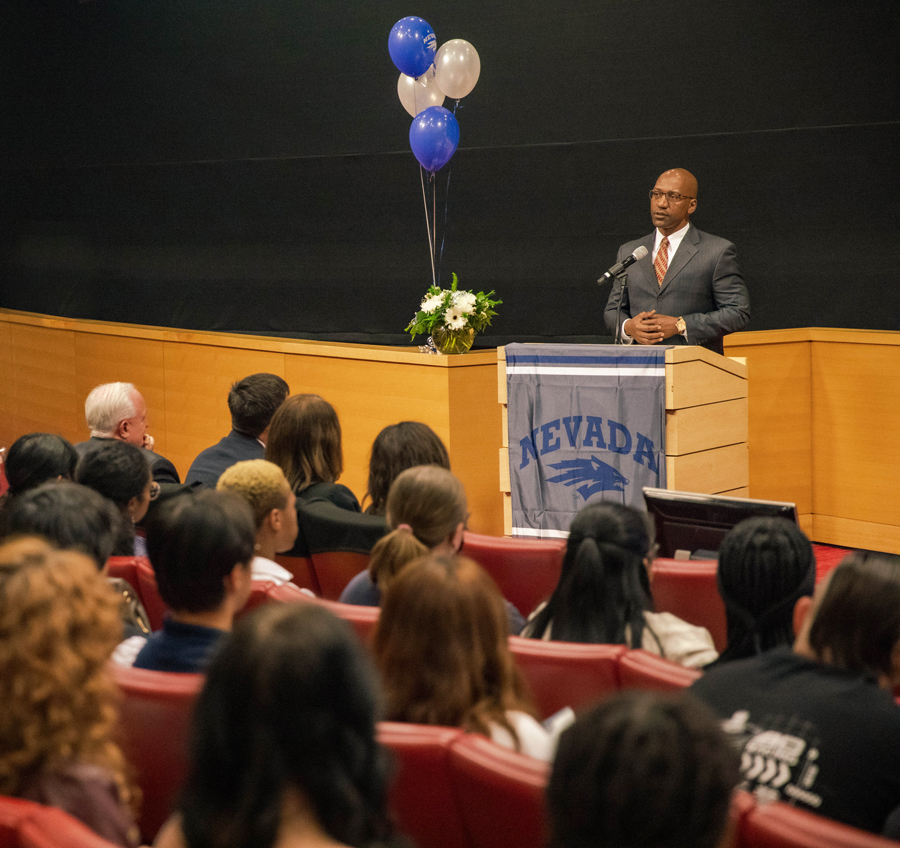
(603, 595)
(283, 751)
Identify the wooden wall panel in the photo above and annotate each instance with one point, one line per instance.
(369, 395)
(43, 368)
(780, 404)
(475, 432)
(9, 417)
(197, 380)
(856, 449)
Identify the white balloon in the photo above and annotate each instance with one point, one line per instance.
(419, 93)
(457, 67)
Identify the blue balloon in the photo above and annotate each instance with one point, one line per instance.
(434, 137)
(412, 46)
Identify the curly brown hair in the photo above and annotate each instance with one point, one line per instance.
(59, 622)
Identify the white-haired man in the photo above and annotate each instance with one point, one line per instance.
(118, 411)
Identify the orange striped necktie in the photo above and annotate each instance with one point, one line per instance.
(661, 263)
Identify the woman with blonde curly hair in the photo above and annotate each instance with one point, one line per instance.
(59, 622)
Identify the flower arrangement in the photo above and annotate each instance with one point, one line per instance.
(451, 309)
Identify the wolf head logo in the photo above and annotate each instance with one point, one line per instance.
(597, 476)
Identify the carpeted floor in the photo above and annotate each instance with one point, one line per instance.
(827, 558)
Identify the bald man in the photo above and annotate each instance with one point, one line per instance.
(689, 288)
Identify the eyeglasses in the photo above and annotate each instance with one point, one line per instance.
(671, 196)
(154, 490)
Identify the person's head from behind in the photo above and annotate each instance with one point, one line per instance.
(396, 448)
(37, 458)
(59, 623)
(765, 565)
(265, 488)
(253, 401)
(642, 770)
(604, 585)
(286, 722)
(200, 547)
(68, 515)
(117, 411)
(426, 511)
(853, 619)
(442, 648)
(305, 441)
(119, 472)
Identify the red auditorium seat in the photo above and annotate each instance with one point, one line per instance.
(302, 570)
(565, 674)
(139, 573)
(639, 669)
(782, 826)
(687, 588)
(500, 794)
(422, 795)
(266, 591)
(362, 619)
(526, 570)
(335, 569)
(25, 824)
(154, 719)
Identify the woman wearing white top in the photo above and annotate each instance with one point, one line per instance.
(603, 595)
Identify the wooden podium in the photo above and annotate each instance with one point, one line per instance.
(706, 425)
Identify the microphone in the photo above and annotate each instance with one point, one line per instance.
(619, 267)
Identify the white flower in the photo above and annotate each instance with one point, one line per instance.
(464, 301)
(454, 319)
(429, 304)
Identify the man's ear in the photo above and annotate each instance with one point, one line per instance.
(802, 611)
(274, 519)
(121, 431)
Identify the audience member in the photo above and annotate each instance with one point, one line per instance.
(252, 403)
(118, 411)
(603, 595)
(765, 565)
(305, 443)
(59, 622)
(119, 472)
(642, 770)
(396, 448)
(73, 517)
(263, 485)
(441, 646)
(284, 750)
(36, 458)
(427, 511)
(818, 726)
(200, 547)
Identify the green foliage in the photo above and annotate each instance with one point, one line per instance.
(453, 310)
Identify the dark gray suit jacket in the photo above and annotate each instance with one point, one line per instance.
(703, 285)
(210, 463)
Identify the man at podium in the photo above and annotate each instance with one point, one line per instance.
(687, 288)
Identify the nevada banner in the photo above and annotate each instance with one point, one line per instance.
(586, 423)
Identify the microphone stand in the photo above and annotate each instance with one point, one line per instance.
(622, 277)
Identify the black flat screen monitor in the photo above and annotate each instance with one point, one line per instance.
(694, 524)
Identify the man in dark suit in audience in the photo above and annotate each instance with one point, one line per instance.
(252, 403)
(817, 726)
(118, 411)
(688, 289)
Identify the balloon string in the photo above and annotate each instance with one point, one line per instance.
(427, 225)
(446, 214)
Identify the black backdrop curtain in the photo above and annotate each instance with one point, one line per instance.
(244, 166)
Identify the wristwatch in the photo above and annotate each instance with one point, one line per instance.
(681, 327)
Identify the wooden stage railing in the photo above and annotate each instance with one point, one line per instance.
(823, 406)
